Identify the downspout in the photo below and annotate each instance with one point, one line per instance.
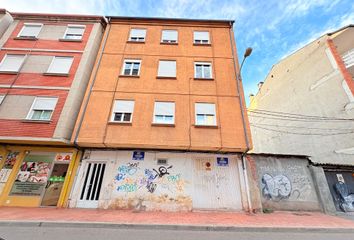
(92, 83)
(243, 156)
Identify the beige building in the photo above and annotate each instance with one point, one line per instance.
(306, 107)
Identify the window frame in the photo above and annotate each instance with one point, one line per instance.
(58, 73)
(201, 43)
(19, 68)
(137, 41)
(158, 68)
(74, 26)
(215, 124)
(30, 24)
(131, 70)
(113, 112)
(169, 41)
(203, 63)
(154, 122)
(31, 111)
(2, 98)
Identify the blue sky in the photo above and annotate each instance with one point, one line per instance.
(273, 28)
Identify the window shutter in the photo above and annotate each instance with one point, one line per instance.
(205, 108)
(60, 65)
(75, 30)
(165, 108)
(45, 103)
(201, 35)
(169, 35)
(167, 69)
(30, 30)
(12, 63)
(124, 106)
(139, 33)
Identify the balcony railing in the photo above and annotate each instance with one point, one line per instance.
(348, 58)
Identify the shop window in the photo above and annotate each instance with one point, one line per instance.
(205, 114)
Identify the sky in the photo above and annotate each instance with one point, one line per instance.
(273, 28)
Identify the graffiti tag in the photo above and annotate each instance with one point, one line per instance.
(276, 188)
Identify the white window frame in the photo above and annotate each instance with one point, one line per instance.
(31, 111)
(203, 63)
(204, 114)
(131, 69)
(123, 112)
(164, 116)
(170, 75)
(74, 26)
(201, 40)
(52, 62)
(19, 67)
(2, 97)
(137, 40)
(169, 40)
(30, 24)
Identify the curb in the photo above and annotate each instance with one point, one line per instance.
(170, 227)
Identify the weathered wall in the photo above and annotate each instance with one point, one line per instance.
(285, 183)
(183, 184)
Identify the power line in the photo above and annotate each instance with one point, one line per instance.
(296, 116)
(298, 120)
(300, 127)
(298, 133)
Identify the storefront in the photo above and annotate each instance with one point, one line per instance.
(340, 180)
(36, 176)
(159, 181)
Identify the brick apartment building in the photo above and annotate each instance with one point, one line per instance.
(162, 120)
(45, 64)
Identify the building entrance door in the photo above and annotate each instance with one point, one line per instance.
(91, 185)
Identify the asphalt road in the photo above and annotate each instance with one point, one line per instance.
(78, 233)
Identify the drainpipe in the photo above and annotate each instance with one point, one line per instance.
(238, 80)
(92, 83)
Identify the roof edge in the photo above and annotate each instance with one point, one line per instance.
(127, 18)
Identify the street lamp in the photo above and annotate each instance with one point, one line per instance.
(245, 55)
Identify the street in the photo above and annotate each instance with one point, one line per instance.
(89, 233)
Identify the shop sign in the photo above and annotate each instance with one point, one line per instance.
(27, 188)
(222, 161)
(138, 155)
(63, 157)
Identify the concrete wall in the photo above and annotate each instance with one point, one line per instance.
(183, 184)
(285, 183)
(308, 82)
(5, 21)
(16, 106)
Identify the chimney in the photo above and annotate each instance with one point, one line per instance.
(260, 84)
(251, 97)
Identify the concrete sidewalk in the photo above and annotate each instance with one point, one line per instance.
(198, 220)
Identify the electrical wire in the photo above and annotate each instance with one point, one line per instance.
(300, 127)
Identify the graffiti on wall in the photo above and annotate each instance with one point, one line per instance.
(131, 178)
(346, 200)
(276, 188)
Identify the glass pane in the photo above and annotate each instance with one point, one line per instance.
(198, 73)
(72, 36)
(127, 117)
(118, 117)
(46, 115)
(36, 114)
(127, 67)
(207, 71)
(200, 119)
(168, 119)
(159, 119)
(210, 120)
(136, 69)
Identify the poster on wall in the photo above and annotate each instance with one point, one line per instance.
(33, 175)
(8, 165)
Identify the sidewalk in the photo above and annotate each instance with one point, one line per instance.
(279, 220)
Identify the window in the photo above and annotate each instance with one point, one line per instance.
(2, 98)
(202, 70)
(74, 32)
(137, 35)
(12, 63)
(167, 68)
(201, 37)
(30, 30)
(42, 108)
(131, 67)
(122, 111)
(205, 114)
(60, 65)
(169, 36)
(164, 113)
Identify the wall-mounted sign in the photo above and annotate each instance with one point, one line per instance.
(207, 166)
(26, 188)
(63, 157)
(138, 155)
(222, 161)
(340, 178)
